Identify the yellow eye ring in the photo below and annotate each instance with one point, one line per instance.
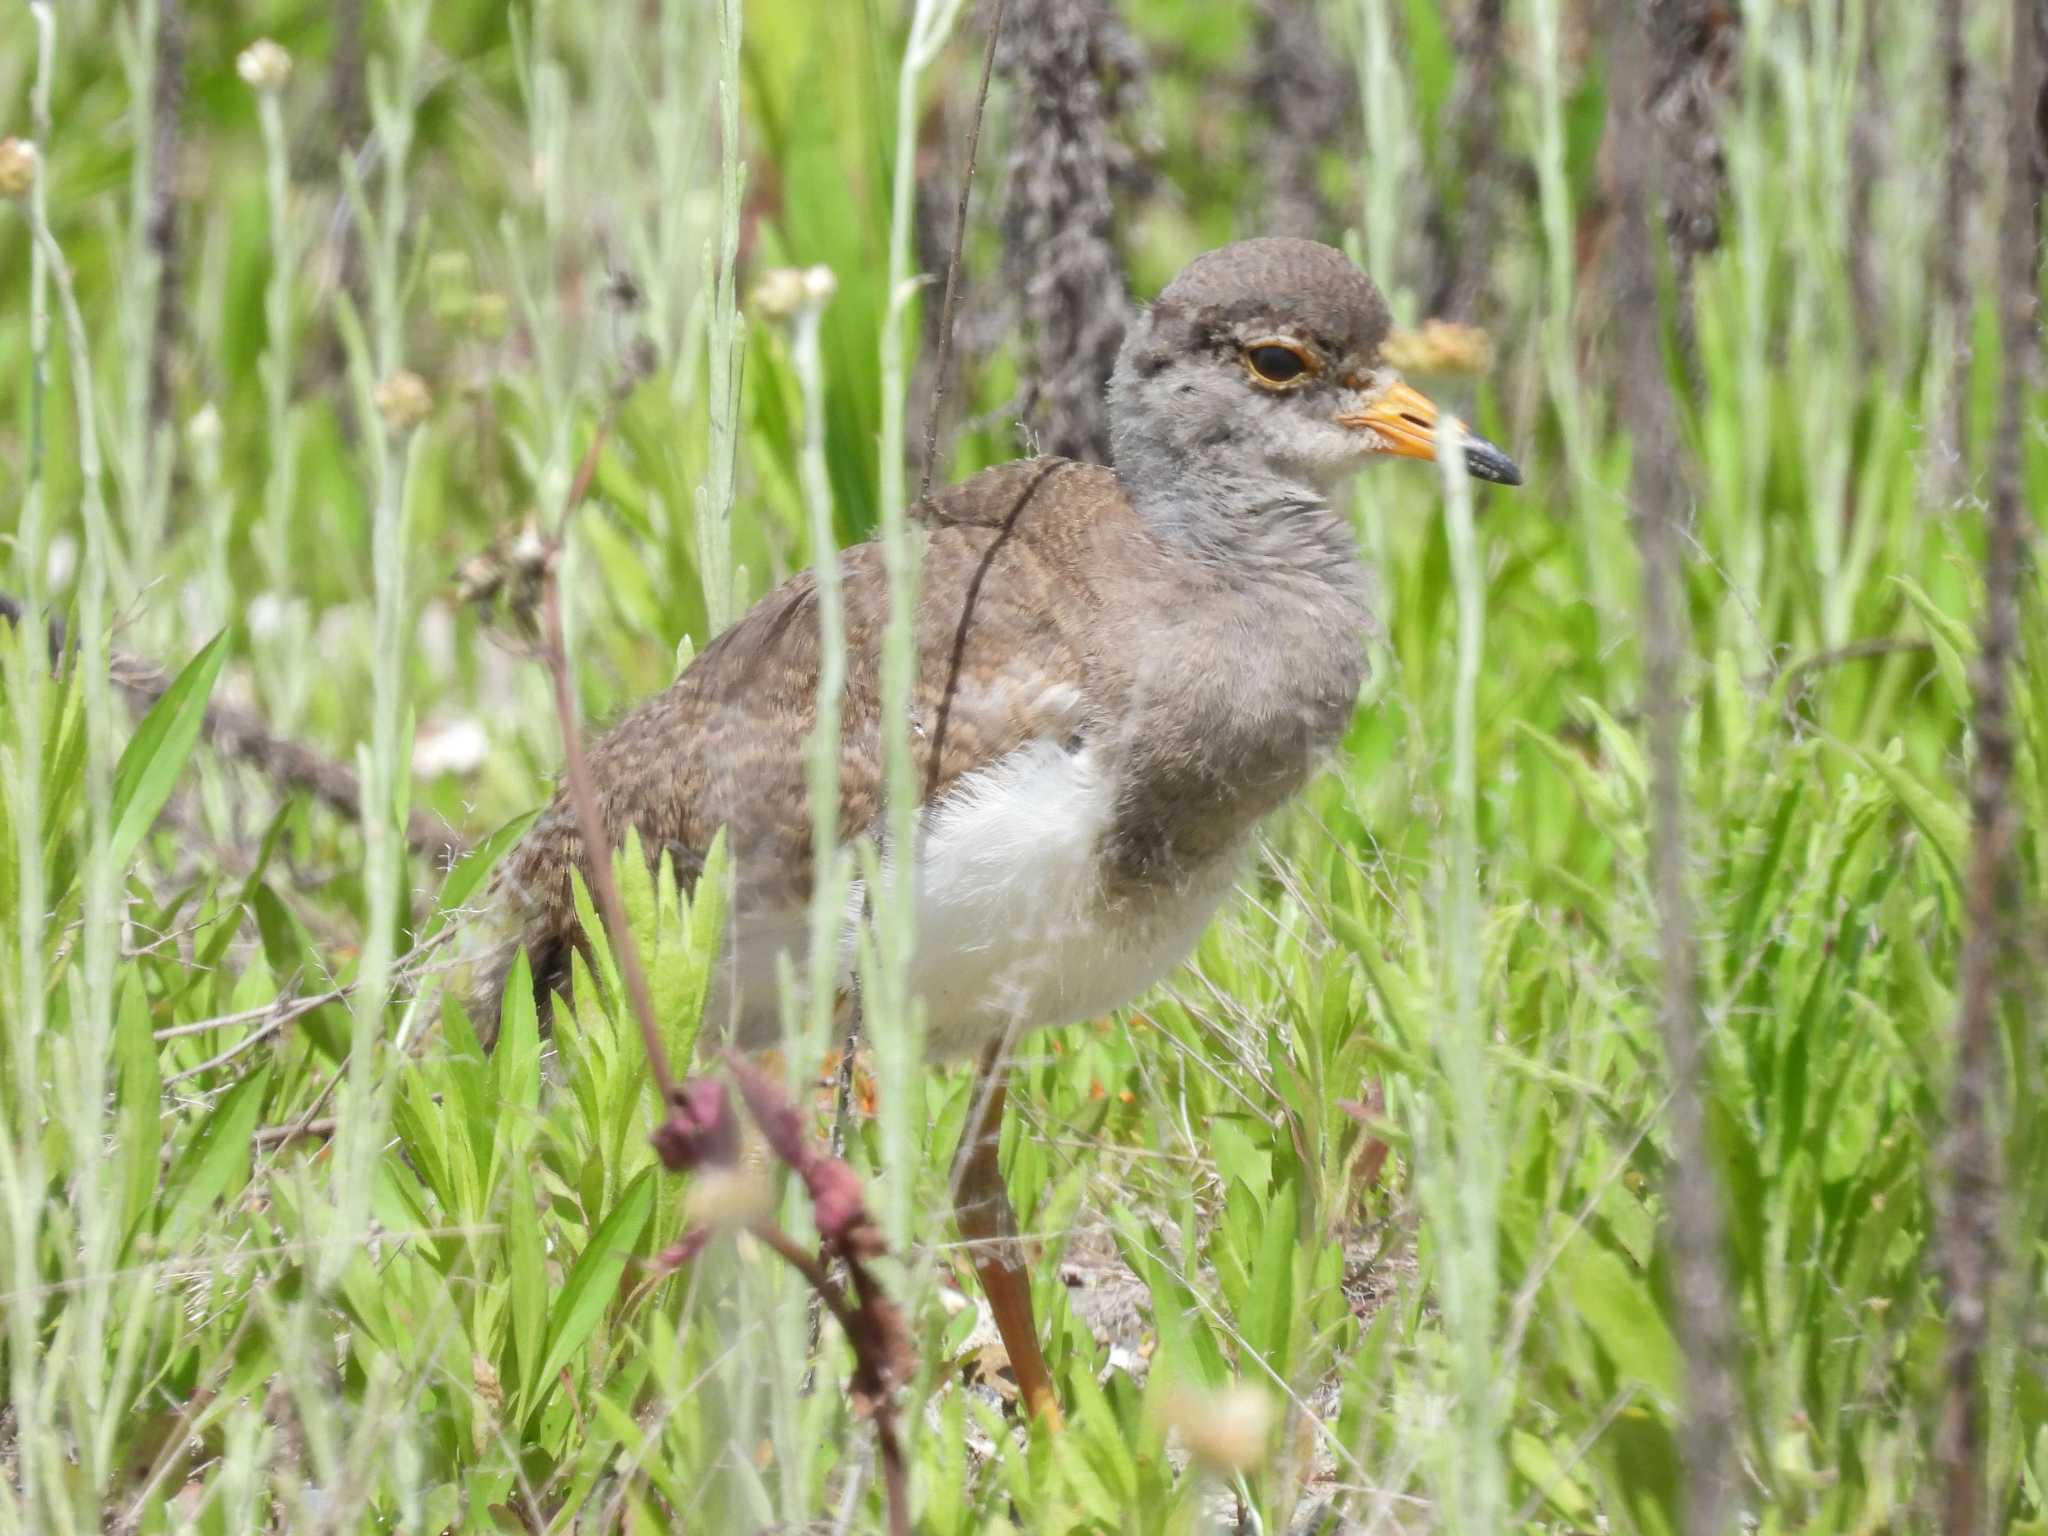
(1277, 362)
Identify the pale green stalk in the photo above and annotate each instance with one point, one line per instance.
(550, 452)
(1461, 1191)
(83, 1084)
(360, 1106)
(828, 880)
(726, 342)
(281, 417)
(142, 463)
(77, 1359)
(830, 865)
(1739, 539)
(1560, 370)
(896, 1034)
(1389, 159)
(678, 125)
(21, 1151)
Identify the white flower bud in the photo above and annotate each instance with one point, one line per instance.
(19, 163)
(264, 65)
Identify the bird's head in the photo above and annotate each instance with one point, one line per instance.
(1260, 370)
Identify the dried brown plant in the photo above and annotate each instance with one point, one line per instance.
(1704, 1311)
(1075, 74)
(1973, 1199)
(1305, 98)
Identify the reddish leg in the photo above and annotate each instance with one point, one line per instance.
(981, 1204)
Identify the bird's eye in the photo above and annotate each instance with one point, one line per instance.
(1276, 363)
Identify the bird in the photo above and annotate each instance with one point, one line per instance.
(1120, 671)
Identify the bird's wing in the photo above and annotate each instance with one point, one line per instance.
(1007, 612)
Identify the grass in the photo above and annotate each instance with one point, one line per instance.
(286, 1249)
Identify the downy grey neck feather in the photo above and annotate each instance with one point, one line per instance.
(1251, 658)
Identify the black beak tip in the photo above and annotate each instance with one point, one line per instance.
(1483, 461)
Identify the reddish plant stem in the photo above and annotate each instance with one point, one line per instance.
(895, 1476)
(605, 892)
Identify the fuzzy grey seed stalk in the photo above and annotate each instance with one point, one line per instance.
(1704, 1311)
(1473, 121)
(1305, 97)
(1073, 73)
(1973, 1200)
(725, 343)
(1689, 56)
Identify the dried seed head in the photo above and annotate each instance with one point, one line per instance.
(18, 165)
(404, 401)
(264, 65)
(1440, 346)
(1228, 1429)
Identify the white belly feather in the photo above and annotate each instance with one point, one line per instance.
(1013, 931)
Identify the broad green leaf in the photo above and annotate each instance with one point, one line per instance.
(526, 1260)
(1943, 824)
(139, 1096)
(156, 754)
(595, 1278)
(1270, 1314)
(215, 1162)
(1619, 1305)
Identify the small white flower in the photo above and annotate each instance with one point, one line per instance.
(266, 615)
(456, 747)
(264, 65)
(61, 562)
(820, 283)
(203, 430)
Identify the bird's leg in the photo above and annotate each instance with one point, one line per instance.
(981, 1204)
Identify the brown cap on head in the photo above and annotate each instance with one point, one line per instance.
(1314, 287)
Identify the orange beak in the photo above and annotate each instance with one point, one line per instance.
(1403, 422)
